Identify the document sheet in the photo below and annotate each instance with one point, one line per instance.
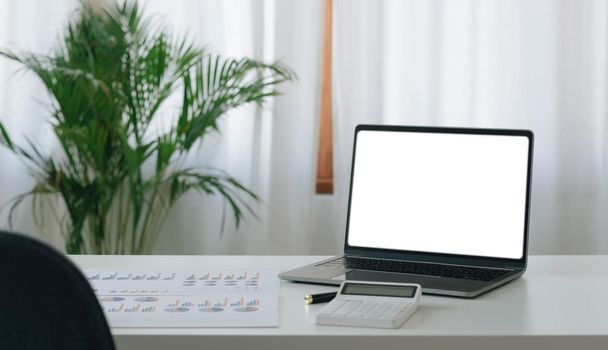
(211, 298)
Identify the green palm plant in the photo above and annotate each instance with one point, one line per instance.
(112, 72)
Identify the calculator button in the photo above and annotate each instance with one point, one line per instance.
(337, 304)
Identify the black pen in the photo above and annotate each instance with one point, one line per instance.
(319, 298)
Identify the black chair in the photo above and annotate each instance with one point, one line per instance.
(45, 301)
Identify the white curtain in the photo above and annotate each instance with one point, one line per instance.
(271, 151)
(539, 65)
(513, 63)
(28, 25)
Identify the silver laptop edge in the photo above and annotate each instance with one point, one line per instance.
(335, 274)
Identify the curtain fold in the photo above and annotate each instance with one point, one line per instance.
(270, 150)
(538, 65)
(35, 26)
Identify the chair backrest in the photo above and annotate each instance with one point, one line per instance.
(45, 301)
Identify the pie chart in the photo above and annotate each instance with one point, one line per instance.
(177, 309)
(112, 299)
(146, 299)
(211, 309)
(246, 309)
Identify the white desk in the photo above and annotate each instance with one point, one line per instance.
(561, 302)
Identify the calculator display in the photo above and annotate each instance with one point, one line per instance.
(379, 290)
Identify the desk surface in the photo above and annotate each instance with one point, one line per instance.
(561, 301)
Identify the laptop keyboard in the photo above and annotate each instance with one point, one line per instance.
(417, 268)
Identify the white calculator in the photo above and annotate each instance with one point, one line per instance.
(371, 304)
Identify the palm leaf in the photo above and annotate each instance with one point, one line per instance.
(112, 72)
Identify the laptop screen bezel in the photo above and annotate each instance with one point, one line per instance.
(441, 257)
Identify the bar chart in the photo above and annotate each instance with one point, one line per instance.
(188, 299)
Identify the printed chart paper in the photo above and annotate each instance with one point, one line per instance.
(212, 298)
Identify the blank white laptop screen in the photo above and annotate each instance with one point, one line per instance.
(441, 193)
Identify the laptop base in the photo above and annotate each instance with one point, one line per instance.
(317, 273)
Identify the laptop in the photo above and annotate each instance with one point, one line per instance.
(447, 208)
